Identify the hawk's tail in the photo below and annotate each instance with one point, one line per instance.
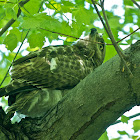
(2, 92)
(16, 86)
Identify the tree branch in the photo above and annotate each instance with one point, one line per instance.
(128, 35)
(11, 21)
(136, 3)
(130, 117)
(88, 109)
(14, 58)
(109, 32)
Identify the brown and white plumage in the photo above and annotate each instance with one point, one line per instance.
(39, 78)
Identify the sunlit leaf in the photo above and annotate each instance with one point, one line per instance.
(11, 41)
(11, 13)
(123, 133)
(124, 119)
(104, 136)
(32, 6)
(136, 125)
(36, 40)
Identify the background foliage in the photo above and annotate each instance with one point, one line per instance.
(64, 21)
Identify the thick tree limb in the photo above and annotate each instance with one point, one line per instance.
(88, 109)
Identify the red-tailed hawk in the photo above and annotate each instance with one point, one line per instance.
(39, 78)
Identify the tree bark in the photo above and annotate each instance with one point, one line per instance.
(89, 108)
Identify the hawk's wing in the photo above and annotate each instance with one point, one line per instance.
(52, 67)
(36, 76)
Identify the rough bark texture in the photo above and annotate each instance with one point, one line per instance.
(89, 108)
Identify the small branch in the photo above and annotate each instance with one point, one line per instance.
(11, 21)
(128, 35)
(70, 36)
(136, 3)
(84, 39)
(107, 28)
(59, 33)
(109, 32)
(99, 15)
(122, 56)
(13, 59)
(130, 117)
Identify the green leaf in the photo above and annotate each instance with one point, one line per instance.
(67, 6)
(36, 40)
(123, 133)
(124, 119)
(40, 20)
(126, 2)
(136, 125)
(11, 41)
(18, 34)
(30, 22)
(135, 137)
(32, 49)
(2, 12)
(89, 1)
(64, 28)
(84, 16)
(32, 7)
(104, 136)
(10, 13)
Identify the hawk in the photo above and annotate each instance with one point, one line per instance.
(39, 79)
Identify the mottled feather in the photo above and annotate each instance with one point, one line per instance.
(37, 77)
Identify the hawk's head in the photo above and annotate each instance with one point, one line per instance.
(94, 42)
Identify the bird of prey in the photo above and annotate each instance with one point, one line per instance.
(39, 78)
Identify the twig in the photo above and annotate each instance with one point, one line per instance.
(11, 21)
(130, 117)
(70, 36)
(136, 3)
(99, 15)
(109, 32)
(122, 56)
(59, 33)
(84, 39)
(13, 60)
(128, 35)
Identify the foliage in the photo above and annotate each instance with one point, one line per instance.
(54, 19)
(124, 119)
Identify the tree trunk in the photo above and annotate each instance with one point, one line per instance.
(88, 109)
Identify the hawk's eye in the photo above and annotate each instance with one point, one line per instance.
(101, 47)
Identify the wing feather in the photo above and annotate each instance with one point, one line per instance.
(52, 67)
